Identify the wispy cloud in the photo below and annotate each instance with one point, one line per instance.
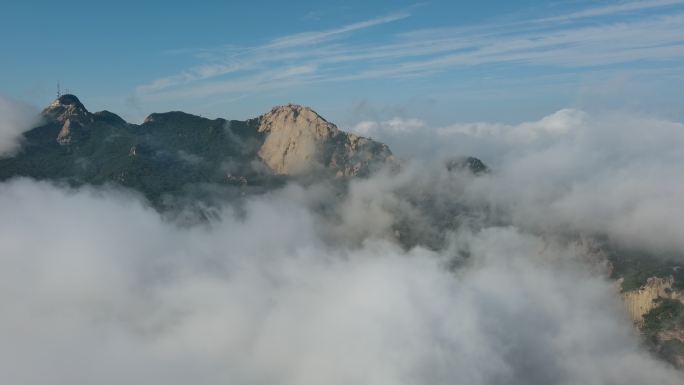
(329, 55)
(614, 9)
(308, 38)
(235, 60)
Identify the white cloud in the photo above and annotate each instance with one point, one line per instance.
(17, 118)
(310, 38)
(97, 288)
(613, 9)
(561, 122)
(393, 126)
(614, 173)
(653, 38)
(279, 49)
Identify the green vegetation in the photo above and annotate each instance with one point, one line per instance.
(671, 349)
(636, 267)
(669, 314)
(159, 158)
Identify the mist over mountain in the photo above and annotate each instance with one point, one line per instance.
(283, 250)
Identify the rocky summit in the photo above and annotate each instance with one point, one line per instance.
(299, 141)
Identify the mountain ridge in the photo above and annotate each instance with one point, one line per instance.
(170, 150)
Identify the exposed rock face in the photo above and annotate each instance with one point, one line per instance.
(67, 107)
(299, 141)
(73, 115)
(657, 310)
(295, 139)
(641, 301)
(64, 136)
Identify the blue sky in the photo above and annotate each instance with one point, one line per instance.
(440, 61)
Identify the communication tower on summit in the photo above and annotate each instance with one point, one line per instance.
(59, 91)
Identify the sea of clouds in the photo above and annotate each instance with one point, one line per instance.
(98, 287)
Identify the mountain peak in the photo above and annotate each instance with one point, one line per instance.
(177, 116)
(69, 100)
(299, 141)
(295, 138)
(292, 107)
(67, 107)
(109, 117)
(295, 114)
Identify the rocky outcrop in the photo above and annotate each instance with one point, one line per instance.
(469, 163)
(641, 301)
(65, 134)
(356, 155)
(67, 107)
(655, 304)
(299, 141)
(68, 111)
(295, 139)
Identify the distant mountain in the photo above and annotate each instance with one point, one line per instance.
(170, 151)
